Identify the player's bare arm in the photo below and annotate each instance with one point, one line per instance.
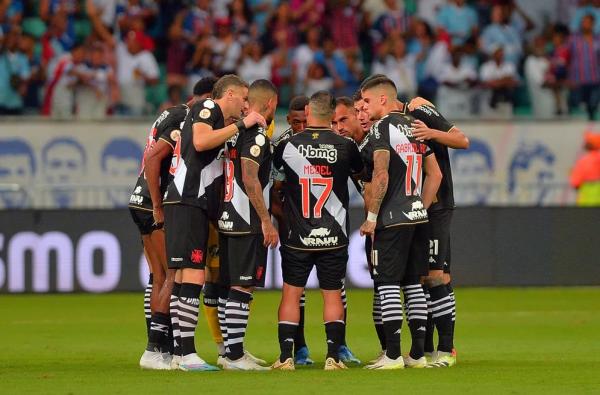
(161, 150)
(433, 178)
(205, 138)
(381, 163)
(255, 195)
(454, 138)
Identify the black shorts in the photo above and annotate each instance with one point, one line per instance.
(399, 254)
(439, 240)
(144, 221)
(243, 260)
(186, 236)
(296, 266)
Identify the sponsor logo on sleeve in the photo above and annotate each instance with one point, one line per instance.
(260, 140)
(209, 104)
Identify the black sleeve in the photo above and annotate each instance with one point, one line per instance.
(173, 122)
(201, 113)
(378, 136)
(356, 163)
(278, 155)
(255, 145)
(432, 118)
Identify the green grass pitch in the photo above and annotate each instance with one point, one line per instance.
(509, 341)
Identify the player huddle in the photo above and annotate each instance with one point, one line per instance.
(212, 180)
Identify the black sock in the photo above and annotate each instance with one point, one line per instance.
(345, 303)
(173, 312)
(334, 330)
(430, 328)
(377, 318)
(222, 302)
(188, 307)
(299, 340)
(286, 333)
(452, 298)
(159, 333)
(391, 315)
(441, 312)
(147, 311)
(416, 307)
(236, 317)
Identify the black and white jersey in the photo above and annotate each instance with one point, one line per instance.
(402, 204)
(197, 176)
(276, 175)
(167, 128)
(316, 164)
(237, 214)
(434, 120)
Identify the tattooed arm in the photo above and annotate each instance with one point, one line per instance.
(378, 188)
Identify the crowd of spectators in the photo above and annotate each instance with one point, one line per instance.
(92, 58)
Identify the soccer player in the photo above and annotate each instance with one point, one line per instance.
(316, 164)
(245, 223)
(195, 191)
(397, 208)
(145, 206)
(432, 127)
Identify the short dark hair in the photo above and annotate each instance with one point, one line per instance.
(344, 101)
(261, 91)
(369, 78)
(225, 82)
(322, 104)
(378, 81)
(264, 84)
(298, 103)
(204, 85)
(357, 96)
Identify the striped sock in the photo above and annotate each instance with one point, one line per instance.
(237, 311)
(173, 312)
(222, 302)
(188, 307)
(299, 340)
(377, 318)
(451, 294)
(286, 332)
(416, 307)
(391, 315)
(441, 312)
(430, 328)
(147, 311)
(345, 304)
(159, 333)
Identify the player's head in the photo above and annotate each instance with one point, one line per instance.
(262, 98)
(344, 120)
(203, 88)
(361, 115)
(296, 116)
(379, 96)
(231, 93)
(320, 109)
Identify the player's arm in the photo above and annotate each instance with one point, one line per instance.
(255, 195)
(206, 138)
(454, 138)
(161, 150)
(433, 178)
(379, 185)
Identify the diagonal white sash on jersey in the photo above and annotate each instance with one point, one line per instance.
(179, 177)
(240, 201)
(210, 173)
(333, 204)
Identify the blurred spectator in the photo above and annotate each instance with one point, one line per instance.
(586, 7)
(317, 80)
(226, 47)
(134, 12)
(427, 10)
(305, 53)
(399, 67)
(201, 66)
(344, 81)
(585, 176)
(308, 13)
(282, 66)
(105, 10)
(197, 20)
(431, 56)
(14, 73)
(260, 10)
(241, 20)
(458, 20)
(174, 98)
(282, 20)
(58, 100)
(255, 65)
(37, 75)
(95, 81)
(539, 78)
(178, 52)
(559, 61)
(457, 79)
(584, 67)
(499, 78)
(11, 14)
(500, 32)
(344, 24)
(392, 23)
(57, 40)
(518, 18)
(136, 68)
(68, 8)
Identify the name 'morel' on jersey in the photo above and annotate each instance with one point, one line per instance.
(316, 164)
(197, 176)
(402, 204)
(166, 128)
(237, 215)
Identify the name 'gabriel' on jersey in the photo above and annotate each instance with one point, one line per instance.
(402, 204)
(197, 176)
(237, 215)
(167, 128)
(316, 163)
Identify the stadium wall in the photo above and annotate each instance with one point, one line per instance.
(100, 250)
(94, 165)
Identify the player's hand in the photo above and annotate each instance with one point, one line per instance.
(159, 215)
(418, 101)
(368, 228)
(271, 237)
(422, 132)
(254, 118)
